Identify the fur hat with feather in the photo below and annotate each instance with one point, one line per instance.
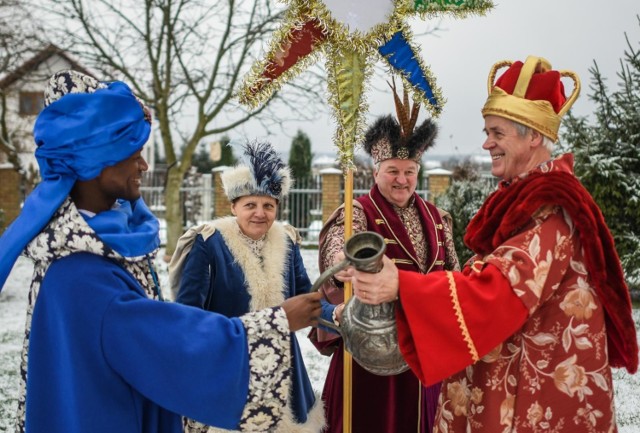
(264, 174)
(389, 138)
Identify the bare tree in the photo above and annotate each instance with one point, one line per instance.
(184, 58)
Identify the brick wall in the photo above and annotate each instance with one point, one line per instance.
(331, 186)
(220, 202)
(438, 184)
(10, 196)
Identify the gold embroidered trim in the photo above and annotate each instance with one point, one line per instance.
(458, 311)
(380, 221)
(389, 241)
(477, 266)
(403, 261)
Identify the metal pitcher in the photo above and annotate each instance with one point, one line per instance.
(369, 331)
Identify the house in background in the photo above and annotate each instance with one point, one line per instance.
(21, 99)
(22, 96)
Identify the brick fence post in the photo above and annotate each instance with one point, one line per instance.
(331, 191)
(439, 182)
(9, 194)
(221, 206)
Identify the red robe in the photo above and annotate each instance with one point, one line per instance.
(383, 404)
(525, 334)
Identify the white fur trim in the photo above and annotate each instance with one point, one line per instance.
(238, 182)
(265, 282)
(285, 173)
(315, 420)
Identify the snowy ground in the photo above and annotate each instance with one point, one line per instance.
(12, 316)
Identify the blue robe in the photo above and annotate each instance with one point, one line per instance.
(213, 278)
(104, 357)
(142, 362)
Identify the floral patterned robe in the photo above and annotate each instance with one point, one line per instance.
(538, 362)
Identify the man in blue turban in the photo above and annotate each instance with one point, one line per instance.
(102, 352)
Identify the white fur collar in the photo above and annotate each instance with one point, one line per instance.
(265, 283)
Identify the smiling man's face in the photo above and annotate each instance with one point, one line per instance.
(511, 153)
(397, 180)
(123, 180)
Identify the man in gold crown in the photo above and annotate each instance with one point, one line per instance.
(526, 335)
(418, 238)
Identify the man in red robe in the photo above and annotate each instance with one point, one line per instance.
(418, 238)
(526, 335)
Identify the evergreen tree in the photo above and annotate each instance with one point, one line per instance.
(463, 200)
(607, 155)
(201, 159)
(227, 158)
(300, 156)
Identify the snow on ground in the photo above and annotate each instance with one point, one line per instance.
(12, 316)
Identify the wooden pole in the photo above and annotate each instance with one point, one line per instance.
(348, 292)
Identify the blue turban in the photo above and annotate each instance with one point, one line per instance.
(77, 136)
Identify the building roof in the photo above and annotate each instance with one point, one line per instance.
(36, 60)
(439, 171)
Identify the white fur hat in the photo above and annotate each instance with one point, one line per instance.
(265, 174)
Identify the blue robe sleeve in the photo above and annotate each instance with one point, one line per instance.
(226, 372)
(201, 358)
(196, 275)
(327, 314)
(302, 282)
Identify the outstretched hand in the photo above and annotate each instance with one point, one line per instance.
(303, 310)
(376, 288)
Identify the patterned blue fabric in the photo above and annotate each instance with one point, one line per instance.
(77, 137)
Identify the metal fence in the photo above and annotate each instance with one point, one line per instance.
(196, 198)
(302, 208)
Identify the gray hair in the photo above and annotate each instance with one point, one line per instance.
(523, 130)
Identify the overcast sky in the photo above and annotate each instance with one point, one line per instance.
(571, 34)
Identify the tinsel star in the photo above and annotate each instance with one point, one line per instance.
(351, 34)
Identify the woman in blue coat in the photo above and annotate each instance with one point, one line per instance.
(249, 261)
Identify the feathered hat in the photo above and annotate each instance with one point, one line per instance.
(265, 174)
(530, 93)
(389, 138)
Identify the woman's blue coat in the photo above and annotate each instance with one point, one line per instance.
(213, 280)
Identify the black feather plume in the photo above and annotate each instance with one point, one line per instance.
(265, 165)
(423, 137)
(385, 127)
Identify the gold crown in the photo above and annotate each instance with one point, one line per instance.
(536, 114)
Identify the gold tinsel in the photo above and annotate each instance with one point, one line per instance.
(350, 57)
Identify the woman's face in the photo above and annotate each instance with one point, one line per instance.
(255, 214)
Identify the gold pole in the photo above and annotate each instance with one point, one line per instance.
(348, 292)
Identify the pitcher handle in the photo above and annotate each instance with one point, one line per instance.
(328, 273)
